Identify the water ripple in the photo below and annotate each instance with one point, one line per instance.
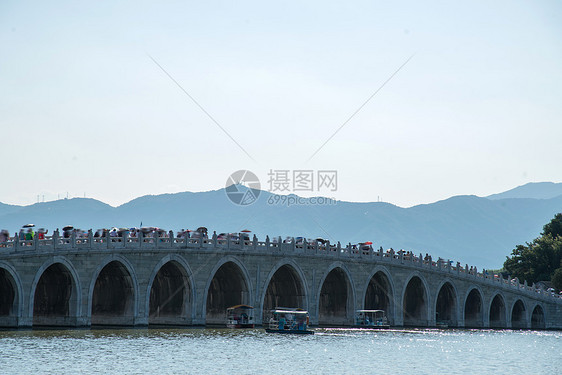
(224, 351)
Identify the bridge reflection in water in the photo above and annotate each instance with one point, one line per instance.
(137, 281)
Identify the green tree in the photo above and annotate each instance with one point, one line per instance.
(557, 279)
(554, 228)
(538, 260)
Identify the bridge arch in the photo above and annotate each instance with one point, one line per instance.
(113, 294)
(56, 294)
(379, 293)
(228, 285)
(415, 301)
(11, 294)
(170, 292)
(336, 296)
(498, 312)
(538, 318)
(473, 308)
(446, 304)
(285, 286)
(519, 314)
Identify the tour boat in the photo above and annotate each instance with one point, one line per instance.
(289, 320)
(240, 316)
(371, 319)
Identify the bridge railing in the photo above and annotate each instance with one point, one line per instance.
(140, 241)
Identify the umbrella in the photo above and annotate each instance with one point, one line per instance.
(68, 227)
(28, 226)
(202, 229)
(246, 231)
(368, 243)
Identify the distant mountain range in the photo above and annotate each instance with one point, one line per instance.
(480, 231)
(535, 190)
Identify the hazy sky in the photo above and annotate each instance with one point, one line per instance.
(85, 110)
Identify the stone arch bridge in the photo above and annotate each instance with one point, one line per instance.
(181, 281)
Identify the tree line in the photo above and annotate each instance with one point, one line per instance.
(541, 259)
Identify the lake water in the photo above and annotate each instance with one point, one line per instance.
(329, 351)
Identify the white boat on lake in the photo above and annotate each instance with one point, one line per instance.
(289, 320)
(371, 319)
(240, 316)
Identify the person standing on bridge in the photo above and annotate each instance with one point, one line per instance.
(4, 235)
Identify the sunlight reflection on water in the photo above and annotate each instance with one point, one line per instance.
(222, 351)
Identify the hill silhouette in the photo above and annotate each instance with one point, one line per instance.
(536, 190)
(479, 231)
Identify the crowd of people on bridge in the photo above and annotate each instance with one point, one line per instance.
(29, 233)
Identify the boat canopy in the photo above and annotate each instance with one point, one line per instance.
(247, 307)
(295, 312)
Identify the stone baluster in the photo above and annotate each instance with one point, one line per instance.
(338, 249)
(267, 242)
(140, 236)
(214, 239)
(255, 242)
(107, 239)
(73, 238)
(55, 239)
(90, 238)
(126, 238)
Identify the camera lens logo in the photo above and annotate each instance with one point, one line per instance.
(243, 187)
